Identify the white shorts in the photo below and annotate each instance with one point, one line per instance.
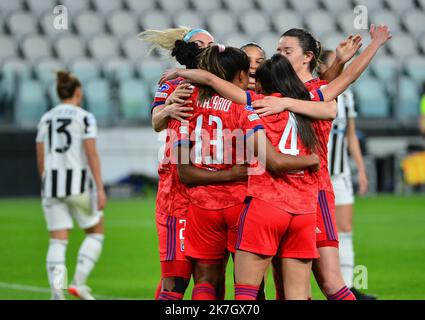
(343, 189)
(59, 213)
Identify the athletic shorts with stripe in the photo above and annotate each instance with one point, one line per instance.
(211, 234)
(326, 231)
(266, 230)
(171, 233)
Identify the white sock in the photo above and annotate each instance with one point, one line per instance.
(87, 257)
(56, 269)
(346, 255)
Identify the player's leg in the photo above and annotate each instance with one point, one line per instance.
(326, 269)
(176, 269)
(208, 279)
(296, 278)
(58, 221)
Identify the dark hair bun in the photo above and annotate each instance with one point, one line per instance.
(187, 54)
(66, 84)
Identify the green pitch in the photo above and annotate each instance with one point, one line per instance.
(389, 241)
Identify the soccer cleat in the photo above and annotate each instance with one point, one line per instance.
(363, 296)
(82, 292)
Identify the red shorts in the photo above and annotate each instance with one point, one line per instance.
(171, 246)
(211, 234)
(267, 230)
(326, 231)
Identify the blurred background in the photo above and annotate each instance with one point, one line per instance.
(101, 47)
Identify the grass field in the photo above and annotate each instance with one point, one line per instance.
(389, 241)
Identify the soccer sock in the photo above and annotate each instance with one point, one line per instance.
(55, 265)
(204, 291)
(343, 294)
(243, 292)
(87, 257)
(165, 295)
(158, 290)
(346, 254)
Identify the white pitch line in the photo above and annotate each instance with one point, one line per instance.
(20, 287)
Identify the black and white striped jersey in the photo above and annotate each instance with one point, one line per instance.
(337, 146)
(63, 130)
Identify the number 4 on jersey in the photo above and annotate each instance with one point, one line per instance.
(290, 132)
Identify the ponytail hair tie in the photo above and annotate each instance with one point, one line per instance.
(221, 48)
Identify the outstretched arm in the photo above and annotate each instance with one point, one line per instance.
(380, 36)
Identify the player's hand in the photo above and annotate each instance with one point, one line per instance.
(101, 199)
(348, 48)
(179, 112)
(181, 94)
(269, 106)
(380, 34)
(239, 172)
(315, 162)
(363, 183)
(168, 75)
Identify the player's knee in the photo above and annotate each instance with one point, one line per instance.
(175, 284)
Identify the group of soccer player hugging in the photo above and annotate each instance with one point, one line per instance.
(206, 212)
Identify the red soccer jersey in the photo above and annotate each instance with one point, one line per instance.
(217, 132)
(294, 192)
(171, 198)
(323, 130)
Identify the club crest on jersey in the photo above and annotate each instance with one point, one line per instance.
(249, 108)
(164, 87)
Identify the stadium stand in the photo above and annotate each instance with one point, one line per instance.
(101, 47)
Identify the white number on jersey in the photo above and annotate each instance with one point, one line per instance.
(290, 132)
(218, 142)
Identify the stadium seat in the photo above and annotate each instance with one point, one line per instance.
(401, 6)
(422, 3)
(319, 22)
(236, 39)
(151, 69)
(373, 101)
(135, 100)
(173, 5)
(75, 6)
(38, 7)
(52, 95)
(35, 47)
(303, 7)
(155, 19)
(18, 67)
(409, 98)
(189, 18)
(8, 48)
(69, 47)
(46, 22)
(45, 70)
(21, 23)
(371, 5)
(106, 6)
(103, 46)
(337, 6)
(206, 6)
(254, 23)
(345, 22)
(137, 7)
(332, 40)
(122, 23)
(31, 104)
(386, 68)
(422, 43)
(89, 23)
(413, 20)
(271, 6)
(415, 67)
(268, 42)
(285, 20)
(221, 22)
(239, 6)
(387, 17)
(97, 93)
(85, 69)
(134, 48)
(118, 68)
(402, 45)
(9, 6)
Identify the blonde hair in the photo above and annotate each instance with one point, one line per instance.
(164, 39)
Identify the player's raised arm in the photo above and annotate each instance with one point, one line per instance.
(380, 35)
